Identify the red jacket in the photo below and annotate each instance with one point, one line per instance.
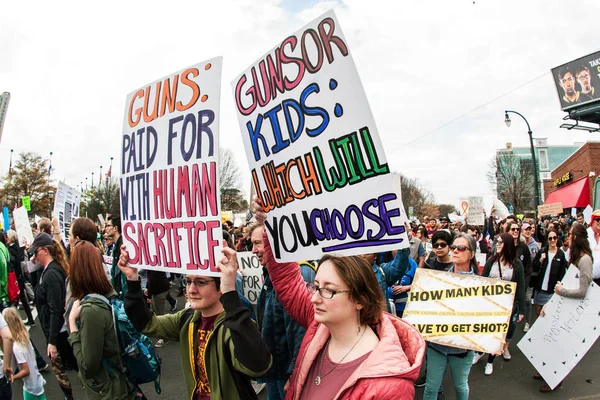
(387, 373)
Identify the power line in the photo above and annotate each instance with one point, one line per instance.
(475, 109)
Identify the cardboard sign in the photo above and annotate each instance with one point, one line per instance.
(253, 275)
(170, 198)
(560, 339)
(26, 200)
(550, 209)
(66, 208)
(315, 156)
(476, 211)
(22, 226)
(464, 311)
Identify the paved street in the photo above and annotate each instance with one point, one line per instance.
(510, 380)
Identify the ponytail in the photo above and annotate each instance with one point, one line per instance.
(57, 253)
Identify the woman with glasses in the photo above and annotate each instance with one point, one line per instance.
(439, 357)
(351, 349)
(549, 267)
(506, 266)
(221, 347)
(92, 327)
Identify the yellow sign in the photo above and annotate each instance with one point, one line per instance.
(464, 311)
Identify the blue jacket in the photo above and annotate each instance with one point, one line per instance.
(400, 299)
(389, 273)
(282, 334)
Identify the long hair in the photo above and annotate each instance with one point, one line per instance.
(580, 244)
(58, 254)
(509, 251)
(16, 326)
(87, 272)
(362, 283)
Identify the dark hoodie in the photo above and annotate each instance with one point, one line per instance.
(50, 296)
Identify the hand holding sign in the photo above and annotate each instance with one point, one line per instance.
(130, 273)
(259, 214)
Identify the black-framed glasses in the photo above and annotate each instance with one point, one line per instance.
(552, 237)
(323, 292)
(198, 282)
(441, 245)
(460, 248)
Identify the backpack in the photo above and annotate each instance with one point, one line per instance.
(12, 285)
(139, 360)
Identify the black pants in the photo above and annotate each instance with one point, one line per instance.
(5, 389)
(25, 300)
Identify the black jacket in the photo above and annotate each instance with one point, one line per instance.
(50, 296)
(558, 268)
(16, 256)
(157, 282)
(524, 256)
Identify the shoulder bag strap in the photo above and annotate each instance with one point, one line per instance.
(499, 268)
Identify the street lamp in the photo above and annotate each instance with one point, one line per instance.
(507, 121)
(51, 197)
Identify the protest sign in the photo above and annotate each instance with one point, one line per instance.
(397, 182)
(559, 340)
(101, 219)
(315, 156)
(476, 211)
(170, 200)
(464, 205)
(6, 218)
(464, 311)
(253, 275)
(66, 208)
(550, 209)
(22, 226)
(26, 200)
(587, 213)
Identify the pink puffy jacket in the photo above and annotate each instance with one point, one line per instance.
(387, 373)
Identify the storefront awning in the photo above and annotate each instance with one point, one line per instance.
(577, 194)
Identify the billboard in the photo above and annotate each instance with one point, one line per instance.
(578, 82)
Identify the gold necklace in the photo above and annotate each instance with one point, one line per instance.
(319, 377)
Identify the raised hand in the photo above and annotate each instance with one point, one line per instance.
(130, 273)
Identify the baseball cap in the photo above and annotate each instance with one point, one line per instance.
(41, 240)
(526, 225)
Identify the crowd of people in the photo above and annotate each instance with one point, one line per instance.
(328, 328)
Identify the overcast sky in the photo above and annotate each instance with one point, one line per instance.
(70, 65)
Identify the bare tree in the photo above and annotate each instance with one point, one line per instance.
(511, 177)
(416, 196)
(232, 198)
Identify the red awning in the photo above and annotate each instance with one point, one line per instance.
(576, 194)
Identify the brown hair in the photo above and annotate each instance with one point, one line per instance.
(364, 288)
(58, 254)
(580, 244)
(45, 225)
(87, 272)
(84, 229)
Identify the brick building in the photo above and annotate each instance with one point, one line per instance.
(576, 181)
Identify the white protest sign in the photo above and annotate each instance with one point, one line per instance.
(101, 219)
(464, 311)
(22, 226)
(316, 160)
(500, 209)
(253, 275)
(574, 211)
(66, 208)
(559, 340)
(476, 211)
(587, 213)
(170, 201)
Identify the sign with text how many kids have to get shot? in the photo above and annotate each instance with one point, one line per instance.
(316, 160)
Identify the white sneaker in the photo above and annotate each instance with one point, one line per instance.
(526, 327)
(160, 343)
(506, 354)
(489, 368)
(476, 357)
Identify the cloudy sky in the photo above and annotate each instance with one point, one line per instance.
(438, 73)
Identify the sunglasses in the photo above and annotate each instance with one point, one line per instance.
(552, 237)
(514, 229)
(499, 242)
(440, 245)
(460, 248)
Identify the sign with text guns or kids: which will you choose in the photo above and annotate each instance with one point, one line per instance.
(170, 202)
(463, 311)
(315, 156)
